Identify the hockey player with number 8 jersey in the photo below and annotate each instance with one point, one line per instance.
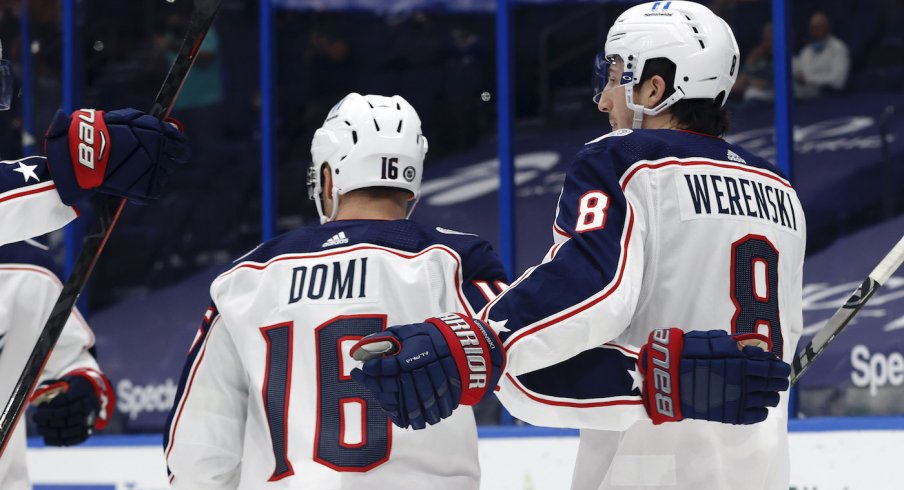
(666, 237)
(266, 399)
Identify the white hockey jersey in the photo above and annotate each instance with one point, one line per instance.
(29, 203)
(266, 399)
(29, 289)
(655, 229)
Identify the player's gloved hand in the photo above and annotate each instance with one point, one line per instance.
(70, 408)
(125, 153)
(709, 376)
(421, 372)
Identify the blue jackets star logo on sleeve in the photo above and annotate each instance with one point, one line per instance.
(27, 171)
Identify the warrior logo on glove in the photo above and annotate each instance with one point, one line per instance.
(421, 372)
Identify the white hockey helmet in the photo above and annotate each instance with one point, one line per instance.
(368, 141)
(699, 42)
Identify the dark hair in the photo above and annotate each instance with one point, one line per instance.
(381, 192)
(699, 115)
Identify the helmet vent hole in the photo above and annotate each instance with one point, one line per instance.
(703, 46)
(348, 123)
(734, 61)
(371, 105)
(398, 106)
(354, 137)
(695, 30)
(720, 99)
(343, 158)
(399, 129)
(376, 125)
(686, 79)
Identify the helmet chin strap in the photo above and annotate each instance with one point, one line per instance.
(414, 201)
(326, 219)
(639, 110)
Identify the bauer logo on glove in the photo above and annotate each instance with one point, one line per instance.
(90, 146)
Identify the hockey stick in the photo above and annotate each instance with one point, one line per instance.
(840, 319)
(108, 214)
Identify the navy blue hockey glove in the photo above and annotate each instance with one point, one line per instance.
(125, 153)
(421, 372)
(70, 408)
(709, 376)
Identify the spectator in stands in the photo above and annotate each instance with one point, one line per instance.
(755, 80)
(822, 66)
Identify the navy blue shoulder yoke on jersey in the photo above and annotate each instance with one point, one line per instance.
(29, 252)
(624, 148)
(482, 273)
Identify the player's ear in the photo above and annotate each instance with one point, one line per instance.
(327, 186)
(327, 178)
(654, 91)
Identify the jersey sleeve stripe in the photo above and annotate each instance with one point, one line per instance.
(622, 348)
(485, 290)
(485, 312)
(27, 191)
(643, 165)
(182, 397)
(574, 403)
(593, 301)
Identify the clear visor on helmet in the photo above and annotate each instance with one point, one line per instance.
(6, 85)
(313, 192)
(604, 73)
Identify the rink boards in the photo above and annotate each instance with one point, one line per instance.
(826, 454)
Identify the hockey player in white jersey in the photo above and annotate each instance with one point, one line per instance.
(123, 153)
(266, 399)
(662, 228)
(73, 397)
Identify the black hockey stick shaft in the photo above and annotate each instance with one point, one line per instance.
(817, 345)
(108, 214)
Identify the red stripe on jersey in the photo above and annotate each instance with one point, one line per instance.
(742, 168)
(623, 349)
(408, 256)
(191, 380)
(573, 404)
(484, 288)
(32, 190)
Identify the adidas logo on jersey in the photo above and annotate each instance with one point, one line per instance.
(337, 239)
(735, 157)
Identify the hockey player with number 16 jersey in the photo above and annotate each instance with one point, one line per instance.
(266, 398)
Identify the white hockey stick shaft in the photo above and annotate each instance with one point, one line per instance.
(843, 316)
